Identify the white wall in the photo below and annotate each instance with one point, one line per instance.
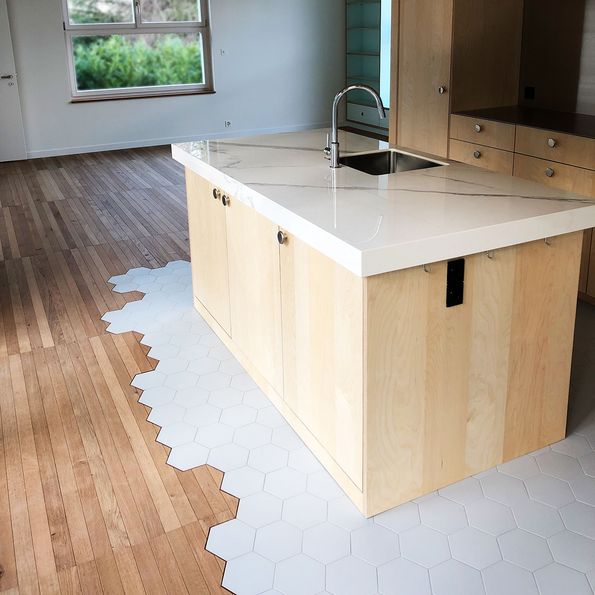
(283, 62)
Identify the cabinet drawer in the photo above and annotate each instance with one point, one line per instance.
(483, 132)
(569, 149)
(494, 159)
(565, 177)
(364, 115)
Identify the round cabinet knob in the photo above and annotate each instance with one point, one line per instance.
(281, 237)
(225, 200)
(477, 154)
(549, 172)
(216, 193)
(552, 142)
(442, 89)
(478, 128)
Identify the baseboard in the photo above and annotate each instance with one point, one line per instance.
(153, 142)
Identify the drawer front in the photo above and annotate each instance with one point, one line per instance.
(483, 132)
(565, 177)
(363, 114)
(493, 159)
(555, 146)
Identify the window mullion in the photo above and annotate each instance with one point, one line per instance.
(137, 14)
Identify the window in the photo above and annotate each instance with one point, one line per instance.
(131, 48)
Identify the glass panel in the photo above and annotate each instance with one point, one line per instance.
(169, 11)
(148, 60)
(82, 12)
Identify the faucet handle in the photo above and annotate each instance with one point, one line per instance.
(327, 148)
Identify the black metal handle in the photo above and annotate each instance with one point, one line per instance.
(225, 200)
(281, 237)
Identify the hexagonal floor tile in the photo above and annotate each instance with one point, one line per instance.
(504, 488)
(525, 549)
(176, 434)
(321, 484)
(538, 518)
(204, 365)
(214, 380)
(583, 488)
(424, 546)
(238, 415)
(225, 397)
(304, 511)
(351, 576)
(285, 483)
(453, 578)
(521, 468)
(504, 578)
(490, 516)
(243, 482)
(278, 541)
(326, 543)
(343, 513)
(250, 574)
(401, 518)
(549, 490)
(299, 575)
(187, 456)
(442, 514)
(303, 460)
(573, 550)
(202, 415)
(579, 518)
(268, 458)
(214, 435)
(475, 548)
(559, 465)
(165, 415)
(228, 457)
(401, 576)
(252, 436)
(555, 579)
(231, 539)
(374, 544)
(260, 509)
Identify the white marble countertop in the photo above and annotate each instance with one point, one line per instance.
(375, 224)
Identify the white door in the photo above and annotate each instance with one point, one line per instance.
(12, 136)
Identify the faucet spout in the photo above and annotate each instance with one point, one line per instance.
(334, 156)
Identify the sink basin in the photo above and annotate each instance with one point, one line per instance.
(380, 163)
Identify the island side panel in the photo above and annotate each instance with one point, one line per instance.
(322, 313)
(450, 392)
(543, 319)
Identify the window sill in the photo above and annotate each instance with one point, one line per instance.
(115, 97)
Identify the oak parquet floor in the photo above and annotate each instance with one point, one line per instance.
(87, 502)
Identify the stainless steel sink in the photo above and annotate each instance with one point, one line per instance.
(380, 163)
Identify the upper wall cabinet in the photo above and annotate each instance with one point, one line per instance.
(423, 82)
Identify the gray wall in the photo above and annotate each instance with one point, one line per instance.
(284, 60)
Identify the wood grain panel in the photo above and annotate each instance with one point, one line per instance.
(569, 149)
(452, 391)
(255, 289)
(479, 156)
(208, 249)
(565, 177)
(486, 55)
(423, 66)
(322, 347)
(491, 134)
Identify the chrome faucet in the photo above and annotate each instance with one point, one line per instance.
(333, 149)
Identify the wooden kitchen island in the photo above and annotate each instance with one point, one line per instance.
(401, 376)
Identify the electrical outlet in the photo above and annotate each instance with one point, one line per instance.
(227, 124)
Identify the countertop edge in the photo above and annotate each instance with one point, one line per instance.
(401, 256)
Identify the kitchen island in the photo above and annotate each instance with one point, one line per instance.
(414, 328)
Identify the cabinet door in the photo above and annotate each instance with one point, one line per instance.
(323, 351)
(255, 290)
(425, 37)
(208, 249)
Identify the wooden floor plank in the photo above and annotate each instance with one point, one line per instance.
(90, 504)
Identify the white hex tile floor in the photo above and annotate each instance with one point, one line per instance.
(525, 528)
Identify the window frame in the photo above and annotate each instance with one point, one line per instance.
(137, 27)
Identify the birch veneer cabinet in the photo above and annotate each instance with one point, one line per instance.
(394, 392)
